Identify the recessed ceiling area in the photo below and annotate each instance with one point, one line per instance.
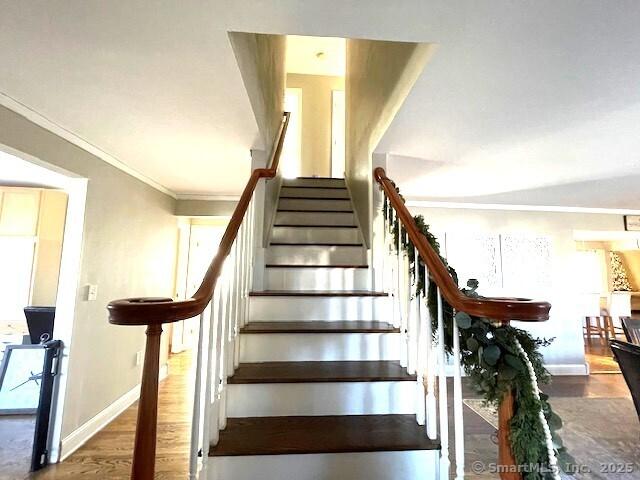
(519, 96)
(316, 55)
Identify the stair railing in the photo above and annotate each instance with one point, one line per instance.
(423, 351)
(221, 303)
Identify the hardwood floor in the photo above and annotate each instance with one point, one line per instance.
(108, 454)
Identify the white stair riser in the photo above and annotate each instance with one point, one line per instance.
(314, 205)
(406, 465)
(314, 192)
(317, 278)
(315, 255)
(270, 309)
(317, 218)
(315, 182)
(314, 235)
(339, 398)
(307, 347)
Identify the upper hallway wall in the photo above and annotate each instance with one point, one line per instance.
(317, 110)
(380, 74)
(128, 249)
(261, 59)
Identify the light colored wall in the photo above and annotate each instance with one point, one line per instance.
(197, 208)
(129, 249)
(566, 319)
(316, 120)
(51, 218)
(261, 59)
(379, 76)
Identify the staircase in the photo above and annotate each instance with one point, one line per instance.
(319, 391)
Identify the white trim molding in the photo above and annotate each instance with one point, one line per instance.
(525, 208)
(81, 435)
(207, 198)
(78, 141)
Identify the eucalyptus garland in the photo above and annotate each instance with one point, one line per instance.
(492, 357)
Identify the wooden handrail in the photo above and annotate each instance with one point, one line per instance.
(501, 309)
(154, 312)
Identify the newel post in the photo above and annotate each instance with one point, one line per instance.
(144, 450)
(506, 460)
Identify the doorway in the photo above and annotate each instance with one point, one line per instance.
(41, 225)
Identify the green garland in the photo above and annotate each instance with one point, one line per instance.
(492, 362)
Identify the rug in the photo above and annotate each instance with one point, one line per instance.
(602, 434)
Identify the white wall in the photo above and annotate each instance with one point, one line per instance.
(566, 354)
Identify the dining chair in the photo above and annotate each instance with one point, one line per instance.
(628, 357)
(631, 327)
(590, 307)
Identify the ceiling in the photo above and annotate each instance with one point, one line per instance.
(316, 55)
(519, 97)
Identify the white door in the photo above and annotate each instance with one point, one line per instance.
(337, 134)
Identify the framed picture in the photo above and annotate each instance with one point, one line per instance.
(632, 223)
(20, 379)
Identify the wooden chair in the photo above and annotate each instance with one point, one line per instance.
(590, 306)
(628, 357)
(619, 306)
(631, 329)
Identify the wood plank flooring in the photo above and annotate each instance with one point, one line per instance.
(108, 454)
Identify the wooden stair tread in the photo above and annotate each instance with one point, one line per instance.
(324, 187)
(356, 326)
(322, 199)
(298, 225)
(316, 244)
(321, 434)
(273, 265)
(318, 372)
(317, 293)
(299, 210)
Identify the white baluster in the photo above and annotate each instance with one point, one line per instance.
(442, 393)
(419, 341)
(233, 312)
(214, 422)
(400, 288)
(430, 367)
(222, 387)
(237, 299)
(458, 420)
(210, 385)
(196, 426)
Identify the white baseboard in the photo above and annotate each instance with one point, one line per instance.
(571, 369)
(81, 435)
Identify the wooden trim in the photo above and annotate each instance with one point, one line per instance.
(291, 225)
(323, 199)
(156, 311)
(314, 211)
(315, 266)
(319, 326)
(316, 244)
(317, 293)
(502, 309)
(313, 186)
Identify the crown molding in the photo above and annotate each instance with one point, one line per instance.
(42, 121)
(207, 198)
(525, 208)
